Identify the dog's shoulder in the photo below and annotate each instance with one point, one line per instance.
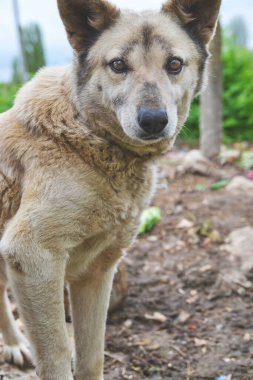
(45, 100)
(19, 146)
(10, 168)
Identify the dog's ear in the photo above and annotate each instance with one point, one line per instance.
(84, 20)
(198, 16)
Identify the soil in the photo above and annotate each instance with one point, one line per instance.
(183, 319)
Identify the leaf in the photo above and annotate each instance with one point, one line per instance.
(149, 218)
(200, 187)
(185, 223)
(183, 316)
(205, 228)
(158, 317)
(246, 160)
(200, 342)
(220, 184)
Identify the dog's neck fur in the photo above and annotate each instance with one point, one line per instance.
(44, 106)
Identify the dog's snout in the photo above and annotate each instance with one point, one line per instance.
(152, 120)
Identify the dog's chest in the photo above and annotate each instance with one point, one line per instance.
(105, 204)
(117, 203)
(111, 219)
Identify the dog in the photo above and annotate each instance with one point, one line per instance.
(77, 167)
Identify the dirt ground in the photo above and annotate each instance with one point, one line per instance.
(184, 317)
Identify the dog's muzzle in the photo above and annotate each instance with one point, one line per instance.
(152, 121)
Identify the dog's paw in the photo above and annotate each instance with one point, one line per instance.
(18, 355)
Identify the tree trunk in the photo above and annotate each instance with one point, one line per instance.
(24, 72)
(211, 103)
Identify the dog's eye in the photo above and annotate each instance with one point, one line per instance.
(174, 66)
(118, 66)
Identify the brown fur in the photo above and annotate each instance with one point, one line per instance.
(76, 172)
(198, 16)
(85, 20)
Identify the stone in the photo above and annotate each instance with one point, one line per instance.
(240, 247)
(240, 184)
(195, 162)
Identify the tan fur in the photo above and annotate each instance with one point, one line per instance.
(75, 175)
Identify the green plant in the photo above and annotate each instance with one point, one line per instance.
(238, 92)
(237, 96)
(190, 132)
(34, 52)
(7, 95)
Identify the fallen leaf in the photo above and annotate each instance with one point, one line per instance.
(128, 323)
(247, 337)
(200, 187)
(159, 317)
(136, 369)
(220, 184)
(215, 236)
(200, 342)
(142, 343)
(149, 218)
(228, 156)
(154, 347)
(192, 327)
(193, 299)
(183, 316)
(206, 268)
(246, 160)
(185, 223)
(153, 238)
(118, 357)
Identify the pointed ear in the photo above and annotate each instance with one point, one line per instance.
(84, 20)
(199, 17)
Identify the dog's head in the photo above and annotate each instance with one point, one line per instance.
(135, 74)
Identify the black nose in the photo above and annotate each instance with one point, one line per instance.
(152, 120)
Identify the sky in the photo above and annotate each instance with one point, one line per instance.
(57, 49)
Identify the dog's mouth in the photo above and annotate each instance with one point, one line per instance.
(153, 137)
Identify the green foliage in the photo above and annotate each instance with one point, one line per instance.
(16, 72)
(35, 57)
(238, 93)
(219, 185)
(190, 132)
(237, 96)
(34, 52)
(7, 94)
(149, 218)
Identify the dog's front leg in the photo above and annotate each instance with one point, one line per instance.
(37, 277)
(90, 300)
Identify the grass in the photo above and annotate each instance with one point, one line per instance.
(7, 95)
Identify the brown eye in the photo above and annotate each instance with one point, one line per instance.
(174, 66)
(118, 66)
